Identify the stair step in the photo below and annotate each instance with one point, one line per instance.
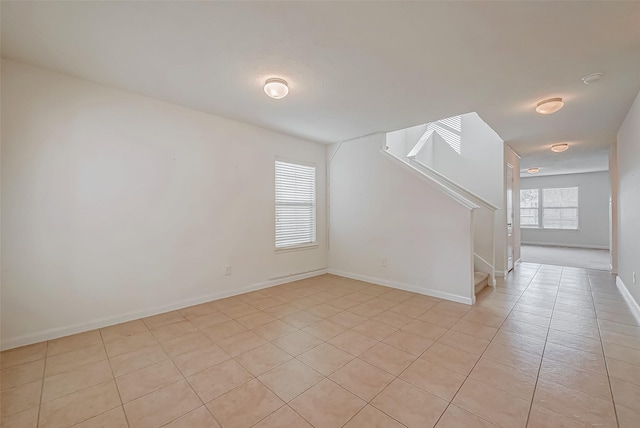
(481, 280)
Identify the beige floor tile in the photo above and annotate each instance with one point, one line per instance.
(139, 359)
(262, 359)
(346, 319)
(411, 310)
(241, 342)
(343, 303)
(410, 405)
(79, 406)
(627, 418)
(199, 310)
(425, 329)
(516, 358)
(122, 330)
(375, 329)
(622, 353)
(325, 358)
(200, 359)
(244, 406)
(19, 375)
(324, 329)
(455, 417)
(370, 417)
(576, 358)
(77, 378)
(352, 342)
(362, 379)
(323, 311)
(208, 320)
(163, 319)
(284, 417)
(624, 371)
(505, 378)
(274, 330)
(239, 311)
(408, 342)
(74, 342)
(219, 379)
(20, 397)
(525, 329)
(300, 319)
(198, 418)
(464, 342)
(188, 342)
(297, 343)
(573, 404)
(255, 319)
(68, 360)
(327, 405)
(223, 330)
(474, 329)
(144, 381)
(394, 319)
(171, 331)
(290, 379)
(492, 404)
(388, 358)
(451, 358)
(439, 318)
(23, 355)
(518, 341)
(626, 394)
(113, 418)
(23, 419)
(484, 318)
(571, 376)
(162, 406)
(539, 417)
(437, 380)
(130, 343)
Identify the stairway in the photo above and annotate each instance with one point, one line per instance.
(481, 280)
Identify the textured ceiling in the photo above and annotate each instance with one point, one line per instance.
(356, 67)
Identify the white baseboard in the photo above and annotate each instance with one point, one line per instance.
(623, 288)
(54, 333)
(403, 286)
(557, 244)
(501, 273)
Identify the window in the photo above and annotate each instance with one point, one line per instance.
(549, 208)
(560, 208)
(529, 208)
(295, 205)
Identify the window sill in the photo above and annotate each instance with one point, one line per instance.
(549, 229)
(297, 248)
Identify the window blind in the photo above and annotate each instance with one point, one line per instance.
(295, 204)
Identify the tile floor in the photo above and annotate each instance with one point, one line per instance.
(549, 347)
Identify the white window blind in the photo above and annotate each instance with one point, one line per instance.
(295, 204)
(560, 208)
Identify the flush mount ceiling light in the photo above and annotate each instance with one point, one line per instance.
(550, 105)
(590, 78)
(533, 170)
(276, 88)
(558, 148)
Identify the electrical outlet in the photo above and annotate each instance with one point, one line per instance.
(634, 277)
(227, 270)
(383, 263)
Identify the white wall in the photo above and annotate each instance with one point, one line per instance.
(593, 199)
(628, 148)
(513, 159)
(379, 210)
(116, 205)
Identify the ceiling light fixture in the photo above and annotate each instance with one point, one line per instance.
(550, 105)
(276, 88)
(533, 170)
(558, 148)
(591, 78)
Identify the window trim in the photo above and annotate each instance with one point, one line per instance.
(541, 209)
(306, 245)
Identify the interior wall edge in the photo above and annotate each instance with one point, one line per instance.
(558, 244)
(402, 286)
(28, 339)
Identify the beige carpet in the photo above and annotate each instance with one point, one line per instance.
(564, 256)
